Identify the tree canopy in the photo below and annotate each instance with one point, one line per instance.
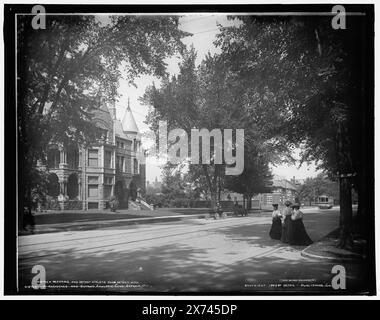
(66, 71)
(315, 187)
(210, 96)
(309, 79)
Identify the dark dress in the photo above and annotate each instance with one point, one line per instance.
(276, 229)
(297, 233)
(285, 229)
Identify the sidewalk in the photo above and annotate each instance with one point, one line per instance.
(326, 249)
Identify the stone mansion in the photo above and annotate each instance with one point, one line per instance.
(86, 178)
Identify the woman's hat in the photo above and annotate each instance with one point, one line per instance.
(288, 203)
(296, 205)
(275, 204)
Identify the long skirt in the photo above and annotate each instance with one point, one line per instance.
(276, 229)
(297, 234)
(285, 230)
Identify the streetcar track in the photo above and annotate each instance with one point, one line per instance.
(222, 224)
(258, 255)
(124, 242)
(112, 244)
(128, 232)
(92, 237)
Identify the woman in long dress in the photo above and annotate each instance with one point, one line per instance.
(286, 218)
(276, 229)
(297, 232)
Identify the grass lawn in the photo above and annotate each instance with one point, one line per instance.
(82, 216)
(64, 217)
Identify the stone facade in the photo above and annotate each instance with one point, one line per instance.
(86, 178)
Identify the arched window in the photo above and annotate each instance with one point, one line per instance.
(73, 158)
(53, 185)
(102, 134)
(53, 158)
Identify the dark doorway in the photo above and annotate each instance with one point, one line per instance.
(53, 185)
(133, 191)
(121, 194)
(72, 186)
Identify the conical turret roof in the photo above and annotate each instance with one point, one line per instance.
(129, 123)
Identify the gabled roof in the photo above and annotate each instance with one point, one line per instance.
(119, 130)
(279, 182)
(102, 116)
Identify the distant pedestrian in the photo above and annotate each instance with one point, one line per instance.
(114, 204)
(276, 229)
(297, 232)
(286, 218)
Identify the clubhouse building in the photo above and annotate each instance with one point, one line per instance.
(84, 178)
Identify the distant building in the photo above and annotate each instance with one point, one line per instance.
(157, 184)
(281, 190)
(87, 177)
(153, 187)
(297, 182)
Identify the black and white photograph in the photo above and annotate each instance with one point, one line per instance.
(189, 149)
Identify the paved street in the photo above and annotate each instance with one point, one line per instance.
(193, 255)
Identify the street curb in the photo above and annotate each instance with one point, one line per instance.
(333, 259)
(59, 227)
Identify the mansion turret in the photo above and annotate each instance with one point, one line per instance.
(87, 177)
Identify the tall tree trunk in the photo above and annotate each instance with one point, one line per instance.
(219, 185)
(345, 190)
(362, 181)
(211, 187)
(346, 239)
(213, 200)
(249, 202)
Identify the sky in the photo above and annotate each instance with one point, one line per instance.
(204, 29)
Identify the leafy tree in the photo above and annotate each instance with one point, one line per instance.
(308, 77)
(209, 96)
(256, 177)
(178, 102)
(195, 176)
(307, 191)
(150, 189)
(67, 70)
(314, 187)
(173, 185)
